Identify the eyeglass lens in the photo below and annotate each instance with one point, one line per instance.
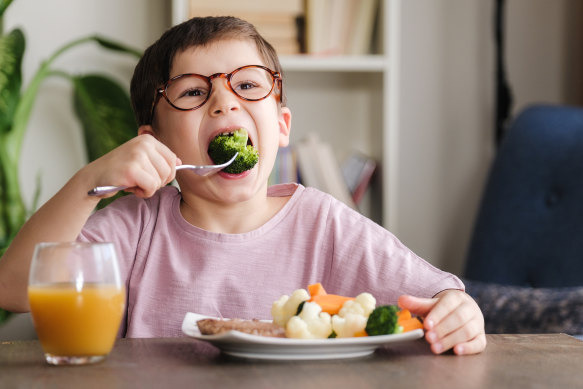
(191, 91)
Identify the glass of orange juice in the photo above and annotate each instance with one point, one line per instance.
(77, 300)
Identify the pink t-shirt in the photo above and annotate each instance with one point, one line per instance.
(172, 267)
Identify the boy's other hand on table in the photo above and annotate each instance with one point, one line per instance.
(452, 319)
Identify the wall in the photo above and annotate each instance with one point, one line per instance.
(447, 102)
(537, 49)
(446, 121)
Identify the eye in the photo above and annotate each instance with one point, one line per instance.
(246, 85)
(193, 92)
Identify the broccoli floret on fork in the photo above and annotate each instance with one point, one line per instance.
(224, 146)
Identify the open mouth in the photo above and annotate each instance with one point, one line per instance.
(224, 146)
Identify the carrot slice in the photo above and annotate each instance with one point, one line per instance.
(410, 324)
(316, 290)
(403, 314)
(330, 303)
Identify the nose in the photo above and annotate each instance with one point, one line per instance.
(222, 99)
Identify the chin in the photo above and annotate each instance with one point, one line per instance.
(238, 191)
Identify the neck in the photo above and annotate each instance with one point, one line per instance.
(233, 218)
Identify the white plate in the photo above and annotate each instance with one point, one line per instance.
(243, 345)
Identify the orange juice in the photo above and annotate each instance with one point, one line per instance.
(76, 323)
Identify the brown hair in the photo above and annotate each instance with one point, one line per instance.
(153, 69)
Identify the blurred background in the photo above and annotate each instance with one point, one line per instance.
(419, 99)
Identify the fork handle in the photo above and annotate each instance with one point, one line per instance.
(103, 190)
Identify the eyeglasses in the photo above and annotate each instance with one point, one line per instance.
(187, 92)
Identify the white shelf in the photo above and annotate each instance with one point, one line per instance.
(363, 63)
(352, 101)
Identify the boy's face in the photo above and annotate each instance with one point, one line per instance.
(188, 133)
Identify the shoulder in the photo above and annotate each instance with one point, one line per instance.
(311, 205)
(135, 211)
(335, 209)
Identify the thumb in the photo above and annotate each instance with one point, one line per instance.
(416, 305)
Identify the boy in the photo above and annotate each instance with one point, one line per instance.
(225, 244)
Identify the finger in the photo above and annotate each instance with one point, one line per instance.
(143, 182)
(162, 165)
(456, 318)
(159, 159)
(416, 305)
(444, 305)
(463, 332)
(463, 323)
(474, 346)
(170, 159)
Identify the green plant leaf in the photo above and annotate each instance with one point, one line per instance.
(3, 5)
(116, 46)
(105, 112)
(11, 53)
(4, 315)
(12, 210)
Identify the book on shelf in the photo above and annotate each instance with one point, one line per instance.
(285, 167)
(276, 21)
(362, 27)
(357, 171)
(319, 168)
(340, 27)
(251, 6)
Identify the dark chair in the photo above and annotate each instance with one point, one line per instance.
(525, 259)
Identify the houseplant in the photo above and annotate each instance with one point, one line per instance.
(102, 106)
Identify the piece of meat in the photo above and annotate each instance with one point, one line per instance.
(254, 327)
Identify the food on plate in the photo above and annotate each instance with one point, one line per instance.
(224, 146)
(254, 327)
(287, 306)
(382, 320)
(330, 303)
(317, 315)
(311, 323)
(352, 317)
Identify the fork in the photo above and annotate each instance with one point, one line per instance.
(201, 170)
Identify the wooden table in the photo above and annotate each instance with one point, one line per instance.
(510, 361)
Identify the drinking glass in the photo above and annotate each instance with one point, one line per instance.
(77, 300)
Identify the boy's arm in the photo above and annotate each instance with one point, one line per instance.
(143, 165)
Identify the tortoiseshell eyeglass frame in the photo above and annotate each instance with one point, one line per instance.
(161, 91)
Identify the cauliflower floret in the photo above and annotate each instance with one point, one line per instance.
(287, 306)
(349, 326)
(363, 305)
(352, 317)
(311, 323)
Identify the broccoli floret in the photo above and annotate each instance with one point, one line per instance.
(383, 321)
(300, 307)
(224, 146)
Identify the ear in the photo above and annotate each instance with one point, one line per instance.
(147, 129)
(284, 126)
